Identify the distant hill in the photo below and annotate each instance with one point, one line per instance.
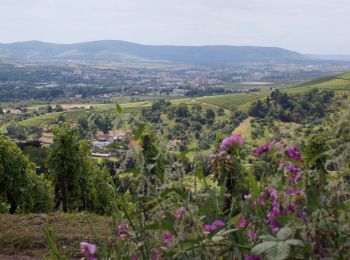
(126, 51)
(330, 57)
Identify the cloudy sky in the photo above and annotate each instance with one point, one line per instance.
(307, 26)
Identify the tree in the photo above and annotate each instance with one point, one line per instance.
(210, 114)
(16, 131)
(104, 123)
(49, 109)
(66, 165)
(19, 184)
(182, 111)
(59, 108)
(153, 161)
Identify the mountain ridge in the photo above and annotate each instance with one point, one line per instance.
(117, 50)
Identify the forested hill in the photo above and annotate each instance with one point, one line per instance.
(127, 51)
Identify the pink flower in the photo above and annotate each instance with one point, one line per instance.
(261, 200)
(207, 228)
(133, 258)
(167, 236)
(122, 231)
(262, 149)
(180, 213)
(238, 139)
(292, 168)
(274, 225)
(251, 235)
(293, 153)
(155, 253)
(292, 206)
(87, 249)
(242, 222)
(254, 204)
(247, 197)
(215, 225)
(273, 196)
(228, 142)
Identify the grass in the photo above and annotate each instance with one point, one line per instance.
(24, 234)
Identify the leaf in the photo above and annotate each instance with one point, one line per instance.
(215, 232)
(217, 238)
(139, 132)
(229, 231)
(268, 238)
(118, 108)
(263, 247)
(284, 233)
(288, 219)
(313, 200)
(278, 252)
(166, 225)
(214, 203)
(295, 242)
(253, 183)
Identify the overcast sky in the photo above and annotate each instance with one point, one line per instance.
(307, 26)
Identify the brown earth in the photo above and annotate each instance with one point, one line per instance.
(23, 236)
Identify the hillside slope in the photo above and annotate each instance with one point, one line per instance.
(338, 82)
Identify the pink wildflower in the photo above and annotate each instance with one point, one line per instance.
(87, 249)
(292, 168)
(247, 197)
(155, 253)
(167, 236)
(293, 153)
(180, 213)
(228, 142)
(238, 139)
(261, 200)
(242, 222)
(215, 225)
(122, 231)
(251, 235)
(262, 149)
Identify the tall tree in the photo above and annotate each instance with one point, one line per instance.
(66, 165)
(19, 185)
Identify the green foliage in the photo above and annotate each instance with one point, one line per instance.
(65, 163)
(79, 182)
(17, 131)
(277, 248)
(297, 108)
(59, 108)
(19, 185)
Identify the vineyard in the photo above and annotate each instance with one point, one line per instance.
(230, 101)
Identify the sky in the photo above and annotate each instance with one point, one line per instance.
(306, 26)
